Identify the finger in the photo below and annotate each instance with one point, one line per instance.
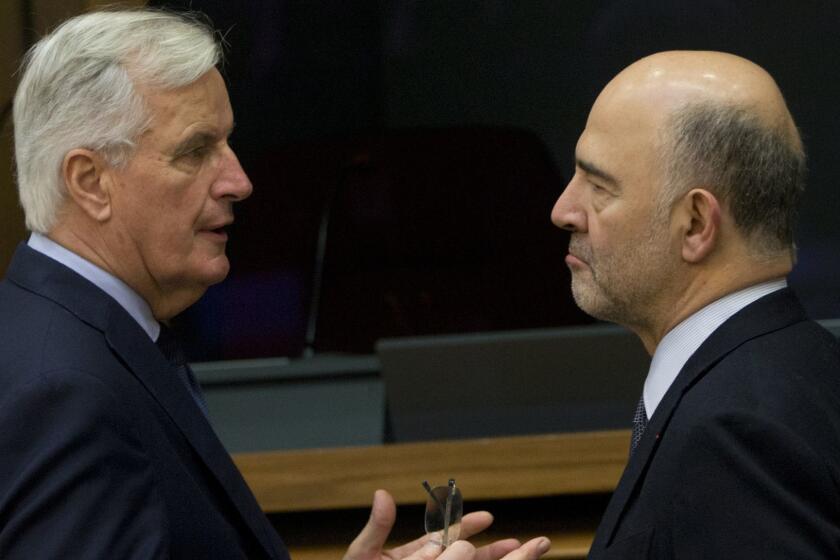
(475, 522)
(471, 524)
(368, 545)
(405, 550)
(459, 550)
(426, 551)
(531, 550)
(496, 550)
(409, 548)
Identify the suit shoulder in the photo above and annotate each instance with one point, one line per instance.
(786, 368)
(47, 338)
(785, 383)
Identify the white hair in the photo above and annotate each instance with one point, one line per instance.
(79, 90)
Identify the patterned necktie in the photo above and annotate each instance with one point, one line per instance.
(168, 344)
(640, 421)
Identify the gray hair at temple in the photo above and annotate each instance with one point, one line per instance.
(79, 89)
(757, 168)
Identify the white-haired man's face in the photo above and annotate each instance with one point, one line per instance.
(173, 201)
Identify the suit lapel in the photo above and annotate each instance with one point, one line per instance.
(40, 274)
(770, 313)
(163, 382)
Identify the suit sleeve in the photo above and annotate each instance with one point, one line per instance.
(74, 480)
(752, 488)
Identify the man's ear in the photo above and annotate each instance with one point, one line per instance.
(701, 219)
(88, 183)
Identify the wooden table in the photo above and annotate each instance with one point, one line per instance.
(556, 485)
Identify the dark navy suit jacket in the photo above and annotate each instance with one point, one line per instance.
(103, 452)
(741, 459)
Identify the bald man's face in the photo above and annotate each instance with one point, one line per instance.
(620, 253)
(633, 262)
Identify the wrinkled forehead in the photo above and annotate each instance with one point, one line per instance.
(202, 106)
(624, 136)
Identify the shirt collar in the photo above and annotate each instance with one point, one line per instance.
(128, 299)
(683, 340)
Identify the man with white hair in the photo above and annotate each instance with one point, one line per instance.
(128, 185)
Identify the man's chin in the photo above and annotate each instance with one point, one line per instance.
(220, 270)
(214, 270)
(589, 300)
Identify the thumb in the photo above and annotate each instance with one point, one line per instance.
(368, 545)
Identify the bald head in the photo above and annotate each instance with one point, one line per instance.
(668, 81)
(720, 123)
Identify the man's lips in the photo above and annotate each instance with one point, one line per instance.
(573, 261)
(218, 230)
(578, 254)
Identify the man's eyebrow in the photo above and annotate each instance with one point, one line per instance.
(592, 169)
(200, 137)
(193, 140)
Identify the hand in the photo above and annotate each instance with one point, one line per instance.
(368, 545)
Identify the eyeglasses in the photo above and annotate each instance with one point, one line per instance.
(444, 509)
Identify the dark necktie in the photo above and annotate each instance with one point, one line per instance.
(168, 344)
(640, 421)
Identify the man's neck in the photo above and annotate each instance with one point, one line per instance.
(94, 249)
(704, 288)
(123, 294)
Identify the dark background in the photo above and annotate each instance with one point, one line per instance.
(438, 134)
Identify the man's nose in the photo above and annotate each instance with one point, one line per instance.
(232, 183)
(568, 213)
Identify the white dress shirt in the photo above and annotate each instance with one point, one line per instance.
(683, 340)
(130, 300)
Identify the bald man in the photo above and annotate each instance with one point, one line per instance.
(682, 209)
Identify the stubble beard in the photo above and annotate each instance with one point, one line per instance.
(623, 286)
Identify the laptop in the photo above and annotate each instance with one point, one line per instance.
(514, 382)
